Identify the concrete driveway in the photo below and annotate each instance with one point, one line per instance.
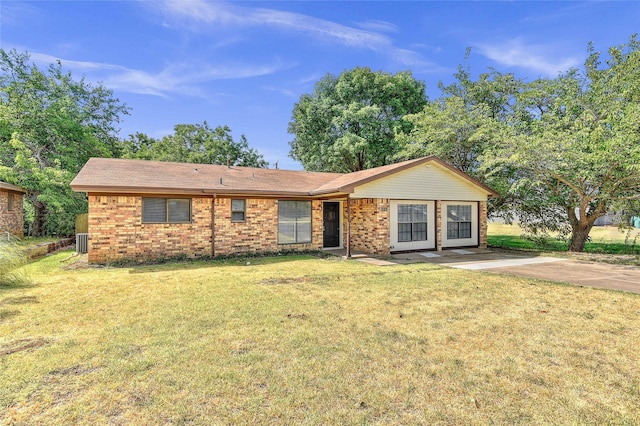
(589, 274)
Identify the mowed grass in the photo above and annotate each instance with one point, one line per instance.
(302, 340)
(603, 239)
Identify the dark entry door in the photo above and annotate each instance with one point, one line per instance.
(331, 223)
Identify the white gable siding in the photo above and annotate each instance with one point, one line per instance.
(428, 181)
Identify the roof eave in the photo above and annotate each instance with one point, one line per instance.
(10, 187)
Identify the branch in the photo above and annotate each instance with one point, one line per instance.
(567, 182)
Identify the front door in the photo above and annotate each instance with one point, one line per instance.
(331, 224)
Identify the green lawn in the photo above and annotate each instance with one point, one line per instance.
(604, 239)
(302, 340)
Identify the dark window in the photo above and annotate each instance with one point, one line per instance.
(412, 222)
(294, 222)
(166, 210)
(458, 221)
(10, 201)
(238, 210)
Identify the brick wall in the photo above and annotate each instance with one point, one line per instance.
(11, 221)
(259, 231)
(370, 225)
(116, 230)
(482, 210)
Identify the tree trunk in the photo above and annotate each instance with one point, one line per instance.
(39, 217)
(579, 235)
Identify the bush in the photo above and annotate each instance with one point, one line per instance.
(12, 257)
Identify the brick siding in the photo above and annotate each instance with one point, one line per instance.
(482, 209)
(116, 230)
(259, 231)
(11, 221)
(370, 225)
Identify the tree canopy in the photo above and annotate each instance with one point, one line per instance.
(575, 141)
(561, 151)
(195, 143)
(50, 125)
(349, 122)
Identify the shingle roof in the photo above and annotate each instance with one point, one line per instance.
(141, 176)
(131, 176)
(4, 185)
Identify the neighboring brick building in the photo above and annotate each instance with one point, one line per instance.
(11, 211)
(145, 209)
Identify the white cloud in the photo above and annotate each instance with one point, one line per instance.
(177, 78)
(221, 13)
(228, 14)
(15, 13)
(515, 53)
(377, 25)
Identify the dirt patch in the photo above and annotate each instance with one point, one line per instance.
(22, 345)
(80, 261)
(297, 316)
(616, 259)
(76, 370)
(276, 281)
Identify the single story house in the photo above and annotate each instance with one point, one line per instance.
(11, 212)
(145, 209)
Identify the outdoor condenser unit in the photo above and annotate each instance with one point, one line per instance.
(82, 243)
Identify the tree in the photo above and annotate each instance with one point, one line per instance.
(138, 146)
(458, 127)
(348, 123)
(195, 143)
(451, 129)
(50, 125)
(575, 141)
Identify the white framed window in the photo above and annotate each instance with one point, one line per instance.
(166, 210)
(412, 225)
(238, 210)
(458, 221)
(294, 222)
(412, 222)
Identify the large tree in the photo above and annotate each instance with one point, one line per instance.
(195, 143)
(348, 123)
(575, 142)
(466, 120)
(50, 125)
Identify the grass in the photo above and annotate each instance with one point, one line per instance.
(12, 257)
(604, 239)
(32, 241)
(302, 340)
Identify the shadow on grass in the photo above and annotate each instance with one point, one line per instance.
(190, 264)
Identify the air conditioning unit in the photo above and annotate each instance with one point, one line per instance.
(82, 243)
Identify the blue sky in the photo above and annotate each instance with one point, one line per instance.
(245, 64)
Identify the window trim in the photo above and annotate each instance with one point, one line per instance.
(167, 213)
(295, 233)
(243, 211)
